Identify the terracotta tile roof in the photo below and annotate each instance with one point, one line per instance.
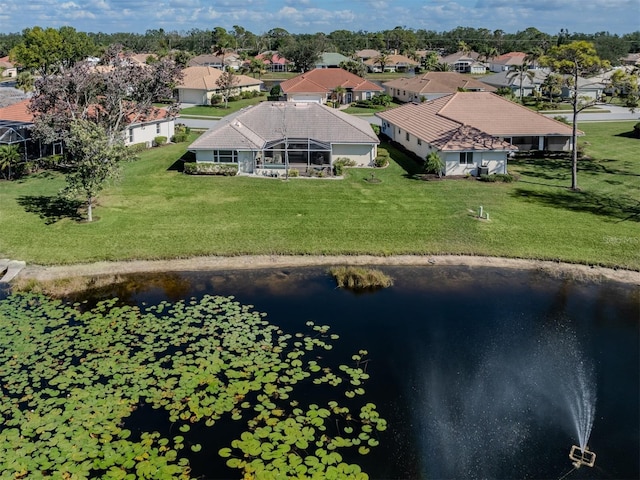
(498, 116)
(272, 58)
(472, 120)
(204, 78)
(324, 80)
(422, 121)
(18, 112)
(438, 82)
(511, 58)
(367, 53)
(5, 63)
(252, 127)
(455, 57)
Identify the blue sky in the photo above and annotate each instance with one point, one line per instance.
(310, 16)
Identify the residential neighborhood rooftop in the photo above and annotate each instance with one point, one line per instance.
(326, 79)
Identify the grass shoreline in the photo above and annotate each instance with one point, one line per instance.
(156, 212)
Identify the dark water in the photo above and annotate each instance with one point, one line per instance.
(467, 365)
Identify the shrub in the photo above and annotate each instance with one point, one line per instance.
(375, 128)
(381, 161)
(293, 172)
(216, 99)
(636, 130)
(434, 164)
(179, 137)
(360, 278)
(340, 163)
(193, 168)
(497, 177)
(160, 140)
(138, 147)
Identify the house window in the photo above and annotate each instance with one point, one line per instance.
(131, 135)
(407, 136)
(158, 128)
(466, 158)
(399, 131)
(419, 141)
(225, 156)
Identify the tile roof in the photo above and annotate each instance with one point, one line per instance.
(422, 121)
(511, 58)
(18, 112)
(253, 127)
(332, 58)
(5, 63)
(367, 53)
(472, 120)
(438, 82)
(324, 80)
(204, 78)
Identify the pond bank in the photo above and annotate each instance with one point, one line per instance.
(558, 269)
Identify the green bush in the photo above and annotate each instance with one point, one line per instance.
(293, 172)
(138, 147)
(207, 168)
(497, 177)
(340, 163)
(383, 152)
(381, 161)
(160, 140)
(636, 130)
(376, 129)
(216, 99)
(179, 138)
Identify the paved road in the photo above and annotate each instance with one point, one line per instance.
(615, 113)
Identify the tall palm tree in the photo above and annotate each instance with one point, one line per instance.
(442, 67)
(521, 72)
(382, 60)
(532, 58)
(9, 156)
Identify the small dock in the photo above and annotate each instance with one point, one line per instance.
(9, 269)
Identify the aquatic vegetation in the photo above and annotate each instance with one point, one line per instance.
(71, 377)
(360, 278)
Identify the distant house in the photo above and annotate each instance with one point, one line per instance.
(199, 85)
(206, 60)
(271, 138)
(143, 58)
(510, 79)
(473, 132)
(318, 86)
(331, 60)
(631, 59)
(146, 128)
(7, 68)
(432, 85)
(461, 62)
(507, 61)
(394, 63)
(274, 62)
(366, 54)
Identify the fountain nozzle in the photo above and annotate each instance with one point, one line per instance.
(582, 457)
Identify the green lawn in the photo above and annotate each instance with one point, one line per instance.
(156, 212)
(220, 111)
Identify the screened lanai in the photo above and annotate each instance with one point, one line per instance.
(297, 153)
(14, 132)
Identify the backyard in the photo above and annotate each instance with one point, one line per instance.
(156, 212)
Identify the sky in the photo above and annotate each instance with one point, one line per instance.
(312, 16)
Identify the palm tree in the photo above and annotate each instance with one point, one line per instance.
(382, 60)
(338, 94)
(442, 67)
(521, 72)
(9, 156)
(533, 57)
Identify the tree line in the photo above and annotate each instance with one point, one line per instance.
(609, 46)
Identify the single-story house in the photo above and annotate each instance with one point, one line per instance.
(366, 54)
(318, 86)
(331, 60)
(461, 62)
(274, 62)
(394, 63)
(630, 59)
(16, 122)
(7, 68)
(507, 61)
(206, 60)
(199, 85)
(511, 79)
(432, 85)
(473, 132)
(271, 138)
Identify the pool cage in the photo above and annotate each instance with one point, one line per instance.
(13, 132)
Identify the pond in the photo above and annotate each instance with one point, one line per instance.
(476, 371)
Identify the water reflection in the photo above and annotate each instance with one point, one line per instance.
(437, 328)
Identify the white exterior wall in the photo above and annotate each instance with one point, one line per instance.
(495, 161)
(146, 132)
(362, 154)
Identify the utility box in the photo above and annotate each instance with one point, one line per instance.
(483, 171)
